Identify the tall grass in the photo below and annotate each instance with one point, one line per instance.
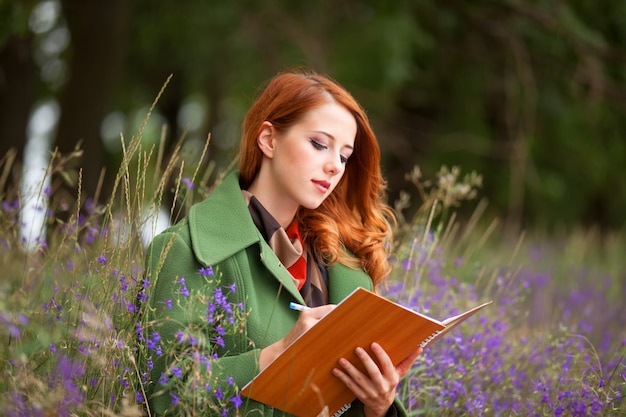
(68, 306)
(552, 343)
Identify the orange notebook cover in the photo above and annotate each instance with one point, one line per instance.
(299, 381)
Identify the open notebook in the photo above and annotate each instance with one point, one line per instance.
(299, 381)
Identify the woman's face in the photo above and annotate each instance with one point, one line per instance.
(303, 165)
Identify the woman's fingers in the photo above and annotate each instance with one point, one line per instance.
(386, 365)
(305, 321)
(375, 387)
(318, 312)
(374, 384)
(351, 376)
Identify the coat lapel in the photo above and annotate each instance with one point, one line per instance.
(221, 226)
(278, 270)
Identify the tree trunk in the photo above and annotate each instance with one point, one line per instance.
(99, 31)
(17, 87)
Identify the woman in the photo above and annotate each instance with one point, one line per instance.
(302, 219)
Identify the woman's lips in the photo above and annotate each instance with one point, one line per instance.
(322, 185)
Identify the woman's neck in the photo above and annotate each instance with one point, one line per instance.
(273, 204)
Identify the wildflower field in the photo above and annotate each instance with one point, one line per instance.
(553, 342)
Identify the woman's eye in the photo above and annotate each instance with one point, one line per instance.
(318, 145)
(344, 159)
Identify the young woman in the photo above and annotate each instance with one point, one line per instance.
(303, 219)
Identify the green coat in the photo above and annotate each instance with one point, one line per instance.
(219, 232)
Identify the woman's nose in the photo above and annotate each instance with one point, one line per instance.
(333, 165)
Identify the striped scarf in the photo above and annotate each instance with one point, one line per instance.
(309, 276)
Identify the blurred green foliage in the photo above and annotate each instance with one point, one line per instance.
(531, 94)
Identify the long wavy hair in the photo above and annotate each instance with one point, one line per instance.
(353, 225)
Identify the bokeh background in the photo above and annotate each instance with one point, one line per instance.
(530, 94)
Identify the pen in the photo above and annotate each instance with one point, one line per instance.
(298, 307)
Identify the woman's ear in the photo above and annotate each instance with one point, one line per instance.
(265, 139)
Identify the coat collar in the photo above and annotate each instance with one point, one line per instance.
(221, 226)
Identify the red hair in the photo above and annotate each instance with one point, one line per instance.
(362, 236)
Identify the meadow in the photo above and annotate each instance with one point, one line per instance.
(553, 342)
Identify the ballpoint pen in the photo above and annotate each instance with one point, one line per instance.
(298, 307)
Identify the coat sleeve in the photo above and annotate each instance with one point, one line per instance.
(183, 328)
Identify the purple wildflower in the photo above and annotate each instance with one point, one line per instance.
(142, 296)
(188, 183)
(139, 331)
(219, 394)
(14, 331)
(236, 400)
(123, 283)
(183, 287)
(176, 371)
(220, 341)
(206, 272)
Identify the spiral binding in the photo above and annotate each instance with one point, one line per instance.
(431, 337)
(342, 410)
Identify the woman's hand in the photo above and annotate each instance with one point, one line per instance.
(377, 387)
(306, 320)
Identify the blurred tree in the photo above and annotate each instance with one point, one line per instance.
(17, 82)
(530, 94)
(99, 32)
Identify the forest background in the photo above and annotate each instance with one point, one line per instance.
(531, 95)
